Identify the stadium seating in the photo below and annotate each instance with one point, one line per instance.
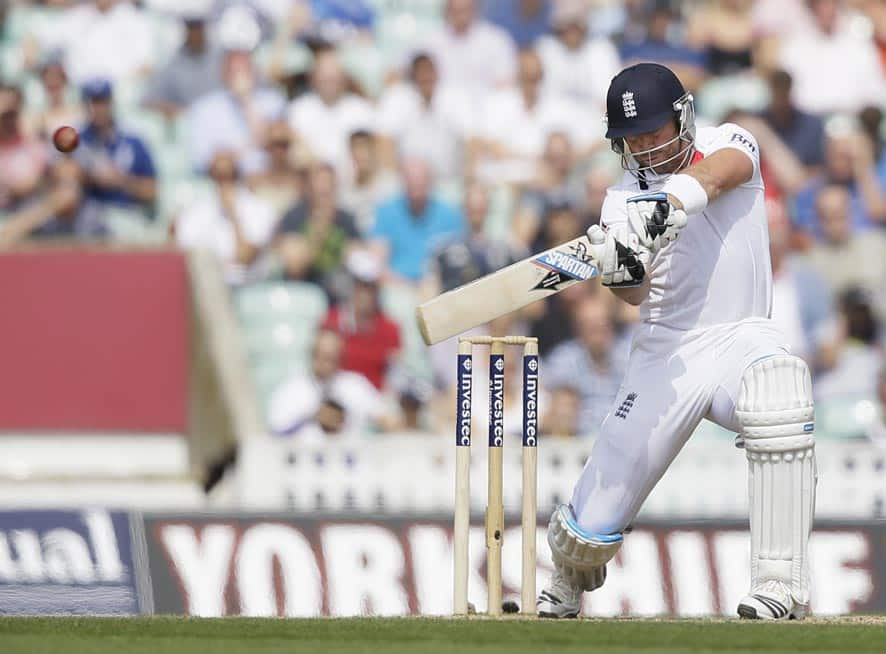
(279, 320)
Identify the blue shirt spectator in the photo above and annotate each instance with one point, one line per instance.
(524, 20)
(850, 165)
(118, 166)
(661, 51)
(593, 363)
(193, 71)
(806, 218)
(658, 45)
(410, 225)
(803, 133)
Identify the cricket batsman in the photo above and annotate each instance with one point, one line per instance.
(684, 236)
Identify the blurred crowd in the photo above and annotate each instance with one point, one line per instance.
(399, 148)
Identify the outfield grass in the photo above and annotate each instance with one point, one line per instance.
(166, 635)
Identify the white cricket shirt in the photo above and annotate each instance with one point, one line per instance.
(718, 270)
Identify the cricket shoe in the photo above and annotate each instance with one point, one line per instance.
(771, 600)
(559, 600)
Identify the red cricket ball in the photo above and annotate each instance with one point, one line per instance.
(65, 138)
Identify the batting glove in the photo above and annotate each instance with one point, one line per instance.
(655, 220)
(619, 255)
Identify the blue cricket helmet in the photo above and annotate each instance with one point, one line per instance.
(642, 98)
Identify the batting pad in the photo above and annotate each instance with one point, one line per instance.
(580, 556)
(776, 412)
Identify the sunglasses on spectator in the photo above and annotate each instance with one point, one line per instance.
(279, 144)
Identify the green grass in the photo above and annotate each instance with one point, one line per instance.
(168, 635)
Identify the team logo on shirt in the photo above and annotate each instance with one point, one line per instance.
(627, 103)
(625, 407)
(564, 266)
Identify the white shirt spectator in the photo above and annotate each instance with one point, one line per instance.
(837, 72)
(781, 17)
(115, 44)
(582, 75)
(436, 132)
(326, 128)
(482, 58)
(507, 120)
(294, 405)
(203, 225)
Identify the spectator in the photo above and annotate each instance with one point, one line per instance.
(472, 53)
(555, 179)
(845, 258)
(849, 161)
(414, 399)
(517, 122)
(111, 39)
(233, 118)
(329, 114)
(801, 305)
(803, 133)
(194, 71)
(325, 399)
(877, 430)
(427, 119)
(560, 223)
(371, 340)
(370, 181)
(465, 258)
(871, 123)
(411, 224)
(875, 10)
(834, 66)
(280, 182)
(524, 20)
(593, 363)
(658, 45)
(23, 160)
(59, 108)
(232, 222)
(575, 66)
(724, 31)
(316, 234)
(563, 416)
(119, 168)
(856, 365)
(776, 19)
(783, 173)
(61, 212)
(596, 181)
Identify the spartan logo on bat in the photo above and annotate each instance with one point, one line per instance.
(571, 265)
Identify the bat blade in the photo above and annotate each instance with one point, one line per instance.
(506, 290)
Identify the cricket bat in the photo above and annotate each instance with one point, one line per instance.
(505, 290)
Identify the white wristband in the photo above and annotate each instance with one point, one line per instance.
(688, 191)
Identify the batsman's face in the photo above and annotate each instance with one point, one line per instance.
(654, 148)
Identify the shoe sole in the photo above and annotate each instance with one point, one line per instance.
(747, 612)
(750, 613)
(554, 616)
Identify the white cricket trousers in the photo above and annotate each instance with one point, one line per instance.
(674, 379)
